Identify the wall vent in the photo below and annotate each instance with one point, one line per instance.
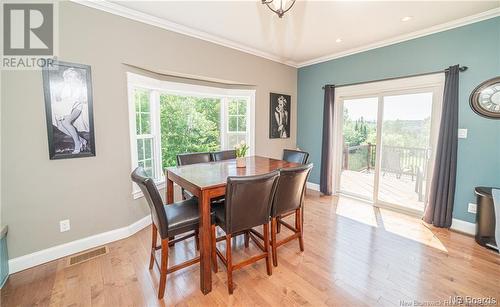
(88, 255)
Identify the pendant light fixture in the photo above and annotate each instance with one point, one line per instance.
(280, 7)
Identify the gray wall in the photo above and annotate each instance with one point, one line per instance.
(95, 193)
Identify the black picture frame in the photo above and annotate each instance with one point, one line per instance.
(69, 109)
(279, 120)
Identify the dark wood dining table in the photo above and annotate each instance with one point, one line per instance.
(207, 181)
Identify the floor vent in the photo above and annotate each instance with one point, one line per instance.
(87, 255)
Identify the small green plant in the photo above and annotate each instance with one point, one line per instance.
(241, 149)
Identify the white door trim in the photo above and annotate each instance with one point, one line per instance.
(429, 83)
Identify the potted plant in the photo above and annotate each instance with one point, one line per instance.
(241, 151)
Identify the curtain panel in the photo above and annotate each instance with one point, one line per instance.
(442, 191)
(326, 176)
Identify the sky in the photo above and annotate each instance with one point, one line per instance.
(403, 107)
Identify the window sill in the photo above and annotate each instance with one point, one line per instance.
(160, 185)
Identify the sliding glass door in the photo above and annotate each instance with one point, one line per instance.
(405, 150)
(359, 131)
(385, 146)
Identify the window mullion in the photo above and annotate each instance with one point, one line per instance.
(223, 122)
(156, 131)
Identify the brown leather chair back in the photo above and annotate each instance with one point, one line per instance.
(248, 201)
(295, 156)
(148, 188)
(223, 155)
(290, 189)
(193, 158)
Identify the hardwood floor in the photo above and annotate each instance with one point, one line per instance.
(355, 255)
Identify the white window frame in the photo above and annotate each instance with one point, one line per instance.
(225, 124)
(158, 87)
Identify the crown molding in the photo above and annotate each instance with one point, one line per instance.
(122, 11)
(406, 37)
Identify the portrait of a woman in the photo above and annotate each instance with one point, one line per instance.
(68, 99)
(280, 116)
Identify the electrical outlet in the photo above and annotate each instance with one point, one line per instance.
(64, 225)
(472, 208)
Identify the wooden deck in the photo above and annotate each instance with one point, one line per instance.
(392, 190)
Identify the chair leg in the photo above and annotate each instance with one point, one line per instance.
(267, 249)
(163, 269)
(229, 264)
(154, 236)
(298, 226)
(247, 239)
(278, 229)
(197, 239)
(273, 241)
(214, 251)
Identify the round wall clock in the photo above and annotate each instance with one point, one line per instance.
(485, 99)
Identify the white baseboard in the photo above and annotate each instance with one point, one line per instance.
(313, 186)
(66, 249)
(463, 226)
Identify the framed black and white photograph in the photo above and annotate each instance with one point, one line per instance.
(69, 113)
(279, 116)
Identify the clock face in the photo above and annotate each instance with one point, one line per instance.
(485, 99)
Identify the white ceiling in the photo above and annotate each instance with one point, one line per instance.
(307, 33)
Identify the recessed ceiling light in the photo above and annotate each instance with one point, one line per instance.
(338, 40)
(406, 18)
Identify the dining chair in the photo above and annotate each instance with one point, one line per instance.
(223, 155)
(288, 200)
(167, 220)
(247, 204)
(296, 156)
(192, 158)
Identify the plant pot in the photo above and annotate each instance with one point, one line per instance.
(241, 162)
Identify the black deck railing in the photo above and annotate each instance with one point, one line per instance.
(394, 159)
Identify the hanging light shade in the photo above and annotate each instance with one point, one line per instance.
(280, 7)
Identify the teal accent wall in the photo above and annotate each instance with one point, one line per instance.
(476, 46)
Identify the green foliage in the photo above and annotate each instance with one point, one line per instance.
(143, 114)
(410, 134)
(407, 133)
(188, 124)
(402, 133)
(359, 131)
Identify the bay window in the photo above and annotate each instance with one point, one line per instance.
(168, 118)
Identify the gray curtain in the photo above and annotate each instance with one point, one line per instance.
(326, 179)
(442, 193)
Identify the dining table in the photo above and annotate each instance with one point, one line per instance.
(207, 181)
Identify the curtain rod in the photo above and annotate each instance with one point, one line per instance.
(461, 69)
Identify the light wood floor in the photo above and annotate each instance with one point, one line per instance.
(355, 255)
